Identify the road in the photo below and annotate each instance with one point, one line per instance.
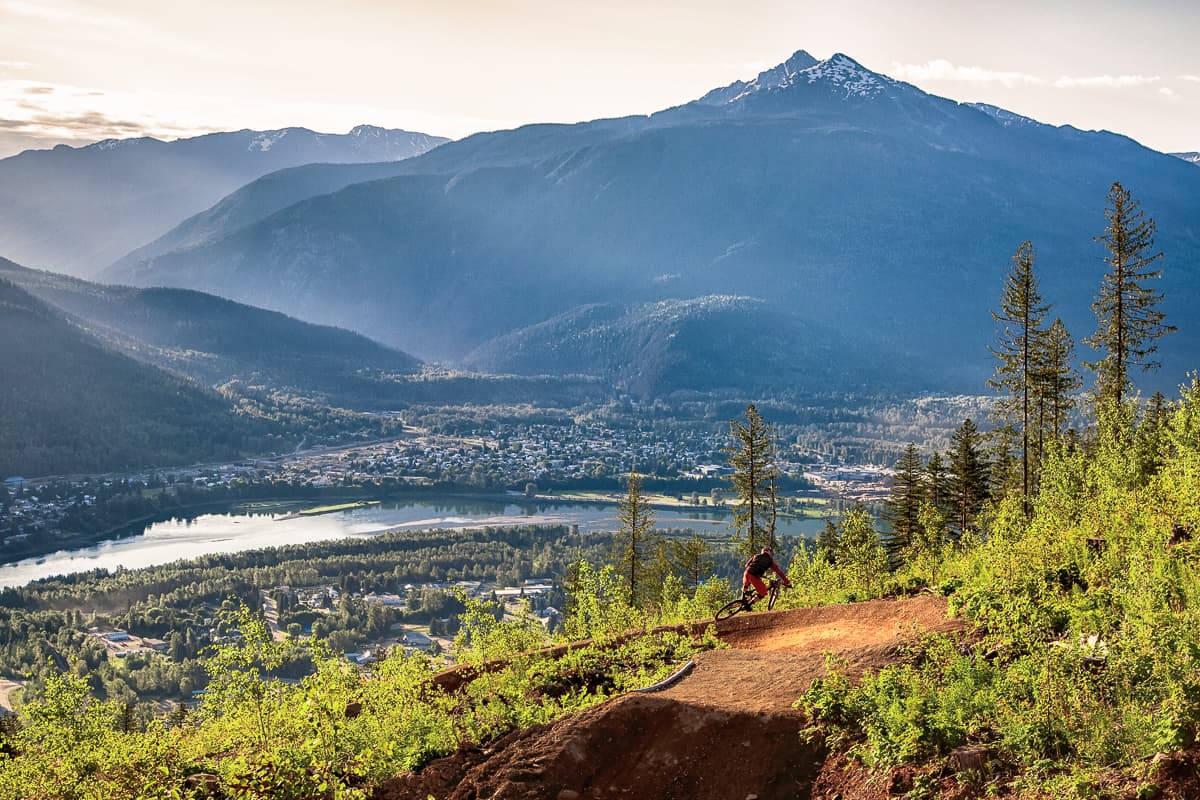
(6, 689)
(271, 612)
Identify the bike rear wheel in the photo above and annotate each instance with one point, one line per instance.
(729, 609)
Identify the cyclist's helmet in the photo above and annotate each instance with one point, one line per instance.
(767, 551)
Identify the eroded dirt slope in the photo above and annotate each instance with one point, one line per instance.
(725, 732)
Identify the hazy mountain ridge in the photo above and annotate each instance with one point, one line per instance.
(215, 341)
(697, 344)
(78, 209)
(73, 405)
(851, 199)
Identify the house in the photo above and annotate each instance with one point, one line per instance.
(418, 640)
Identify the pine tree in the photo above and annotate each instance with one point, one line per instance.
(753, 458)
(1018, 342)
(937, 482)
(634, 540)
(1056, 379)
(1151, 440)
(1129, 322)
(968, 475)
(829, 541)
(903, 505)
(692, 560)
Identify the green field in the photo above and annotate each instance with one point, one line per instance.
(309, 512)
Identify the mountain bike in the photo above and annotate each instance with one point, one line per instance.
(749, 598)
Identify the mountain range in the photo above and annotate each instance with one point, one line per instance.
(844, 199)
(75, 210)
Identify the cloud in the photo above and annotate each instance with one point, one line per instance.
(62, 112)
(1190, 78)
(21, 65)
(1105, 81)
(942, 70)
(1168, 93)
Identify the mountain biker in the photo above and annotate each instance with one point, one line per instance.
(756, 567)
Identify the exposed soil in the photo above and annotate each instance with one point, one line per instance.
(725, 732)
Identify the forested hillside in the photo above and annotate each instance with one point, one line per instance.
(72, 405)
(216, 341)
(703, 344)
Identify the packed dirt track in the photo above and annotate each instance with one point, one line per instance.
(727, 731)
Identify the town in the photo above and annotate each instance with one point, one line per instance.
(530, 457)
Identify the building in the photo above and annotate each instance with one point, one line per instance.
(418, 640)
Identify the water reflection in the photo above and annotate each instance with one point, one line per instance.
(256, 527)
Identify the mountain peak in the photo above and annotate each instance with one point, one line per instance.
(801, 59)
(842, 71)
(839, 71)
(773, 78)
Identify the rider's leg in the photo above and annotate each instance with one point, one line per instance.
(753, 580)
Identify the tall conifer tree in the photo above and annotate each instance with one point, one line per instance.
(634, 540)
(1130, 323)
(937, 482)
(968, 475)
(1056, 379)
(753, 458)
(1017, 344)
(902, 509)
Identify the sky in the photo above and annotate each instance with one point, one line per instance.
(77, 71)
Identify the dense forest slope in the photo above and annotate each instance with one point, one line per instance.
(216, 341)
(72, 405)
(849, 199)
(714, 342)
(77, 209)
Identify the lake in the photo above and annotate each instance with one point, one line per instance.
(246, 529)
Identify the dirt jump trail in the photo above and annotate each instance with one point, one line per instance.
(727, 731)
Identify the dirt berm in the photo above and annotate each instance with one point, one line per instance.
(727, 731)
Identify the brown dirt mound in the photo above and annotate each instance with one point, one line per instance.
(639, 746)
(726, 731)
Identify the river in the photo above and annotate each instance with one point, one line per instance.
(242, 528)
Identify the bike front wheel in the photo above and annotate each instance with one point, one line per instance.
(729, 609)
(772, 596)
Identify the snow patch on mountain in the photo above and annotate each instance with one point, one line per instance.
(1192, 157)
(112, 144)
(773, 78)
(844, 72)
(840, 72)
(265, 140)
(1006, 118)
